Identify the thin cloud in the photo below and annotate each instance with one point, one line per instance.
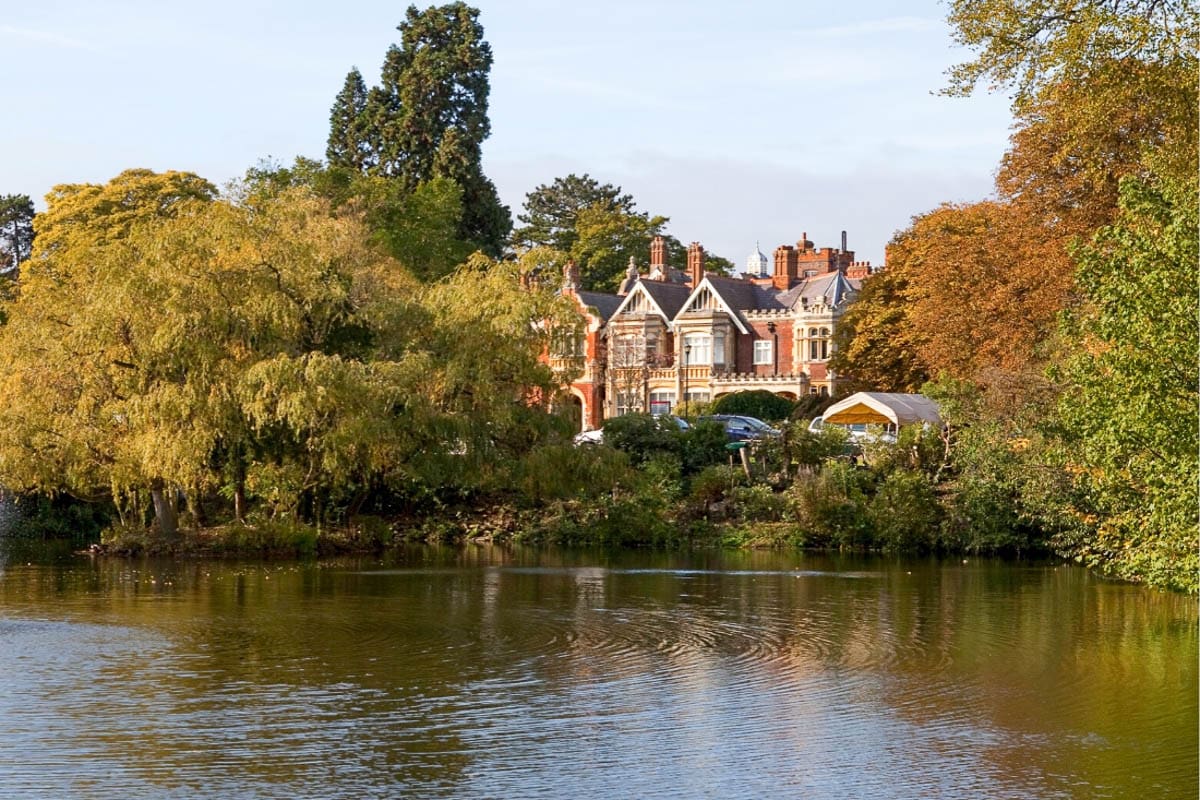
(874, 26)
(45, 37)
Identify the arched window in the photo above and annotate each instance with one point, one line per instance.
(824, 343)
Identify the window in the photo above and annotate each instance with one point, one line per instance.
(762, 353)
(628, 402)
(719, 349)
(566, 343)
(697, 349)
(697, 395)
(629, 351)
(661, 402)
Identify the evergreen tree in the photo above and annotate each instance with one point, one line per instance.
(16, 230)
(428, 118)
(351, 143)
(552, 211)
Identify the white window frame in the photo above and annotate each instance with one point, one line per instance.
(764, 352)
(698, 349)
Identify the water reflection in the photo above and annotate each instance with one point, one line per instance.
(480, 672)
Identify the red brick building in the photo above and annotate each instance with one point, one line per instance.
(668, 335)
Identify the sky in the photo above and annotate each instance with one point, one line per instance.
(744, 123)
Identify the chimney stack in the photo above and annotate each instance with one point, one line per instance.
(695, 263)
(658, 256)
(843, 241)
(787, 267)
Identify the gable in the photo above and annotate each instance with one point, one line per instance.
(706, 297)
(639, 301)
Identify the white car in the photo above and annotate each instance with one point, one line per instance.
(859, 433)
(597, 436)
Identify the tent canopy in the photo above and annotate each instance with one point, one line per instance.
(882, 408)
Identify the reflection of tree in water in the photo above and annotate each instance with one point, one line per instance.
(433, 667)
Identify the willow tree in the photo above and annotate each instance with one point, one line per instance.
(127, 354)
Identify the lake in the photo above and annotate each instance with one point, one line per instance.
(486, 672)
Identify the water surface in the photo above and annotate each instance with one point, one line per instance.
(483, 672)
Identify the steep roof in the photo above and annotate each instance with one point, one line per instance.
(833, 285)
(605, 304)
(670, 297)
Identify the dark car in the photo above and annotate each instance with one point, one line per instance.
(741, 429)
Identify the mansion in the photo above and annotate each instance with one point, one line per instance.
(671, 336)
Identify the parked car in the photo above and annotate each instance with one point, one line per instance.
(597, 436)
(741, 429)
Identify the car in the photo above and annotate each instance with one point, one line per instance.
(596, 436)
(740, 429)
(859, 433)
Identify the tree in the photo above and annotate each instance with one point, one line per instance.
(350, 141)
(872, 347)
(552, 211)
(1130, 405)
(88, 215)
(761, 403)
(428, 118)
(607, 238)
(16, 231)
(1029, 44)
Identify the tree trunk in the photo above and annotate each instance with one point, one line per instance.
(164, 513)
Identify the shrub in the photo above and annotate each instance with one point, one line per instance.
(703, 445)
(563, 471)
(904, 513)
(643, 437)
(711, 486)
(760, 403)
(757, 504)
(830, 505)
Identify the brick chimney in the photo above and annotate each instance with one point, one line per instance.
(787, 267)
(695, 263)
(658, 256)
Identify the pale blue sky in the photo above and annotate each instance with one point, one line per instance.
(746, 123)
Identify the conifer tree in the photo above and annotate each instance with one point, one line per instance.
(428, 117)
(351, 143)
(16, 230)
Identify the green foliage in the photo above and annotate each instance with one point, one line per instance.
(1130, 405)
(711, 485)
(428, 117)
(1026, 43)
(564, 472)
(643, 437)
(757, 503)
(349, 144)
(904, 513)
(607, 237)
(703, 445)
(552, 211)
(830, 505)
(762, 404)
(798, 445)
(37, 516)
(16, 231)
